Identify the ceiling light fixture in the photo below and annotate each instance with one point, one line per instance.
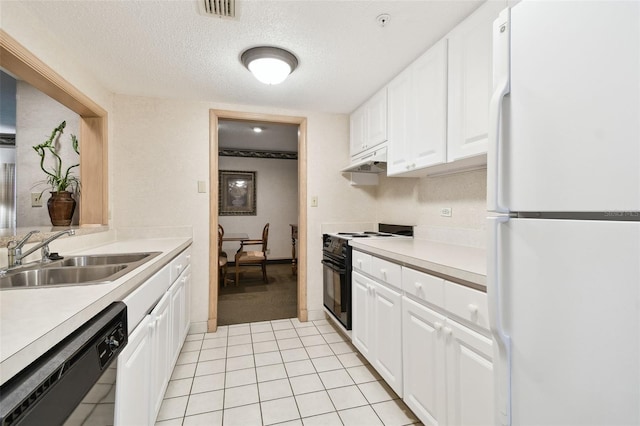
(257, 129)
(270, 65)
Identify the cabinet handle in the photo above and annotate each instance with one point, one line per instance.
(188, 257)
(383, 272)
(418, 287)
(448, 332)
(437, 325)
(473, 309)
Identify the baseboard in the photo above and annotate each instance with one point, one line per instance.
(198, 327)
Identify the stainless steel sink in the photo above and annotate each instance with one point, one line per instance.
(104, 259)
(47, 277)
(74, 270)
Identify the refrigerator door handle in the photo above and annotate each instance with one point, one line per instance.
(501, 87)
(495, 295)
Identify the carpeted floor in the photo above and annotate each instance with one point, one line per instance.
(253, 300)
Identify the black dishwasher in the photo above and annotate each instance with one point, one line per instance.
(49, 389)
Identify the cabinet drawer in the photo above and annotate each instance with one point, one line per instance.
(145, 296)
(423, 286)
(179, 263)
(361, 261)
(385, 271)
(467, 303)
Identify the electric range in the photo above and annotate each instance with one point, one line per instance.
(337, 266)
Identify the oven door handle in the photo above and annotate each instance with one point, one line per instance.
(334, 267)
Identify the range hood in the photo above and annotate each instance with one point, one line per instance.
(373, 162)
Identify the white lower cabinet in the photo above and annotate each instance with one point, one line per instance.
(180, 293)
(427, 338)
(361, 333)
(144, 366)
(161, 362)
(423, 359)
(469, 376)
(448, 376)
(133, 398)
(377, 318)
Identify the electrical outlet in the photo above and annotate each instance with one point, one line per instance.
(446, 212)
(314, 201)
(36, 199)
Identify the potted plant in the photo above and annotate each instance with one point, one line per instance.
(63, 183)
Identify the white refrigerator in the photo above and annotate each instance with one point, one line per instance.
(563, 191)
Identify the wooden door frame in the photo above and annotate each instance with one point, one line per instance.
(214, 116)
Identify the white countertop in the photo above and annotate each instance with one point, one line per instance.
(33, 320)
(458, 263)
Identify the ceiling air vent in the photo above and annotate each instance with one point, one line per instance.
(220, 8)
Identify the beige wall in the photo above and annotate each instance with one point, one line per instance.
(414, 201)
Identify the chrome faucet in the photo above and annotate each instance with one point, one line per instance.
(15, 251)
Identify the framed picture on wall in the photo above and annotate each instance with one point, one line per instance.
(237, 193)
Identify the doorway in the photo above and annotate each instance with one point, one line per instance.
(214, 119)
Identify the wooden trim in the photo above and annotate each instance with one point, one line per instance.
(93, 171)
(214, 116)
(302, 221)
(212, 323)
(23, 64)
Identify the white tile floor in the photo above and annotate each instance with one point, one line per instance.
(277, 372)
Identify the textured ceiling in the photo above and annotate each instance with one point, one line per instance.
(168, 49)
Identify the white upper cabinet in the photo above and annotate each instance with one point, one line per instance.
(369, 124)
(418, 114)
(470, 82)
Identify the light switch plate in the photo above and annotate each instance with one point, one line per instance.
(36, 199)
(202, 186)
(446, 212)
(314, 201)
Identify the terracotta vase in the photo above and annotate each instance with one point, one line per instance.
(61, 206)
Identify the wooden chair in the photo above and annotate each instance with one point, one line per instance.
(255, 257)
(222, 258)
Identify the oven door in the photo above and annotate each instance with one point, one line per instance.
(337, 291)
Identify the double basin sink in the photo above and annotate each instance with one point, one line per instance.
(74, 270)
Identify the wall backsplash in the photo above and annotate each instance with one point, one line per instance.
(418, 202)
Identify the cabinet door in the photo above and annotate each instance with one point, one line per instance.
(357, 131)
(423, 362)
(470, 82)
(361, 288)
(387, 336)
(133, 398)
(161, 359)
(470, 393)
(177, 295)
(376, 119)
(186, 313)
(399, 113)
(428, 132)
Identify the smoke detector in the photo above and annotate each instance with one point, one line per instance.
(218, 8)
(383, 19)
